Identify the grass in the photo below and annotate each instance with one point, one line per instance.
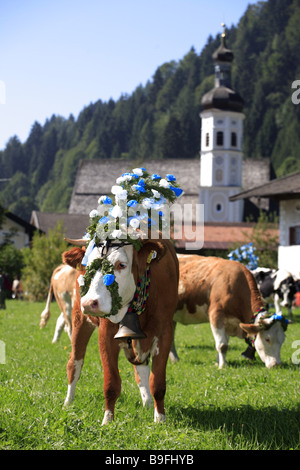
(243, 407)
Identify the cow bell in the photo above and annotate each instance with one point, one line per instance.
(129, 328)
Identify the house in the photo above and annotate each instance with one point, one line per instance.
(285, 191)
(20, 231)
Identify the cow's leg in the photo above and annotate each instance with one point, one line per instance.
(142, 373)
(173, 356)
(82, 332)
(157, 379)
(109, 352)
(221, 342)
(277, 303)
(60, 324)
(45, 315)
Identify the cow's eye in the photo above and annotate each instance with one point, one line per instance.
(120, 265)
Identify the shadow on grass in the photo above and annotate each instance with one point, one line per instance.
(265, 427)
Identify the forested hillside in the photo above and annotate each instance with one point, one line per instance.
(161, 119)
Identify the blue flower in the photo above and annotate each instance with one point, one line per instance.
(155, 177)
(108, 279)
(140, 188)
(170, 177)
(104, 220)
(177, 191)
(107, 200)
(132, 203)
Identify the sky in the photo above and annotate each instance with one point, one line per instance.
(58, 56)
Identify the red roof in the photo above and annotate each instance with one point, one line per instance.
(223, 236)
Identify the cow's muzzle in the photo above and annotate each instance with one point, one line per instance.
(90, 307)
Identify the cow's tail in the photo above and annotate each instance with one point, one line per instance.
(257, 302)
(45, 315)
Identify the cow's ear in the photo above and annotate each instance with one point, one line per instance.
(73, 257)
(151, 252)
(250, 328)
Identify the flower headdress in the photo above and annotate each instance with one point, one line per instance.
(135, 205)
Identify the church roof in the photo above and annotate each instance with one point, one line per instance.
(223, 98)
(96, 177)
(223, 54)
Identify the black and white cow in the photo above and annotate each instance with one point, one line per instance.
(278, 285)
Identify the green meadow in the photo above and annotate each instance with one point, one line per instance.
(242, 407)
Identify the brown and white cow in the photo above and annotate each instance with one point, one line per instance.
(62, 285)
(225, 294)
(156, 321)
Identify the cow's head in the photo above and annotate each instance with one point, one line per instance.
(286, 291)
(109, 295)
(268, 334)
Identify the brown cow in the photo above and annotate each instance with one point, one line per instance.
(225, 294)
(95, 307)
(62, 285)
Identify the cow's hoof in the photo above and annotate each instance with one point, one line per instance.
(108, 417)
(159, 417)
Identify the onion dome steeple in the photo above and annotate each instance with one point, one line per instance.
(222, 96)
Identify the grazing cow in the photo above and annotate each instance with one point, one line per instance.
(225, 294)
(277, 284)
(62, 285)
(157, 258)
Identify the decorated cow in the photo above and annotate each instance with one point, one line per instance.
(127, 285)
(225, 293)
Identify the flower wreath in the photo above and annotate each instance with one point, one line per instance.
(124, 216)
(127, 211)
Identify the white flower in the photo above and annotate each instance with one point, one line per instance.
(156, 194)
(80, 280)
(119, 192)
(94, 213)
(123, 178)
(138, 171)
(134, 223)
(116, 233)
(164, 183)
(147, 203)
(116, 212)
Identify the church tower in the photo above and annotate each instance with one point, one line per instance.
(221, 143)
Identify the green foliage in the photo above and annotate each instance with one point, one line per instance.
(40, 261)
(11, 261)
(243, 407)
(161, 119)
(265, 240)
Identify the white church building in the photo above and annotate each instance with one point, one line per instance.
(221, 144)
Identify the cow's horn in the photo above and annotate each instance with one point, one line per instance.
(79, 241)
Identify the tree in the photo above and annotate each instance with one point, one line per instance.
(40, 261)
